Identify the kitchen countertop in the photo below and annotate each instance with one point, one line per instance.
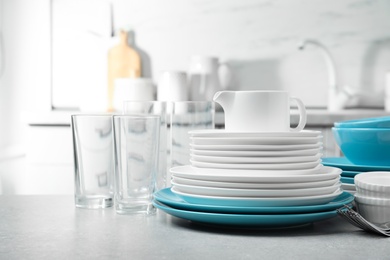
(315, 117)
(50, 227)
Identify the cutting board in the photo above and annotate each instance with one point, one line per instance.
(123, 62)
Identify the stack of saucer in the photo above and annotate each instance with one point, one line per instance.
(277, 177)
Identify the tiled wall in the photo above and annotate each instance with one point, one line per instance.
(259, 38)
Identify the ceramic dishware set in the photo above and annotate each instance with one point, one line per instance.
(365, 144)
(253, 173)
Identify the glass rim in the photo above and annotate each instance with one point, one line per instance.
(93, 115)
(137, 116)
(166, 102)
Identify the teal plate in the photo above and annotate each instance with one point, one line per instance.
(345, 165)
(167, 197)
(247, 220)
(350, 174)
(347, 180)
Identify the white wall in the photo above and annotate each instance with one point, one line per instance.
(260, 39)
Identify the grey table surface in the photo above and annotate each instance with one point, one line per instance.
(50, 227)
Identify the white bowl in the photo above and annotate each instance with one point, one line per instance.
(374, 210)
(373, 184)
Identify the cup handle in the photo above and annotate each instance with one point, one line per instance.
(302, 115)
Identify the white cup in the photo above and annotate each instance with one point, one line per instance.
(172, 86)
(259, 111)
(132, 89)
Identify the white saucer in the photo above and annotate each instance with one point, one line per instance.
(255, 185)
(264, 193)
(320, 173)
(255, 140)
(257, 202)
(304, 152)
(254, 160)
(224, 133)
(258, 166)
(252, 147)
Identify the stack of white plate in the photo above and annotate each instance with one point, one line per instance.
(284, 151)
(239, 173)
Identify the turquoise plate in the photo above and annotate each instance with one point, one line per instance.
(167, 197)
(347, 180)
(345, 165)
(247, 220)
(350, 174)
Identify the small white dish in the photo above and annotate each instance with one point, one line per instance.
(258, 166)
(255, 140)
(304, 152)
(266, 193)
(374, 210)
(252, 147)
(320, 173)
(225, 133)
(254, 160)
(255, 185)
(373, 184)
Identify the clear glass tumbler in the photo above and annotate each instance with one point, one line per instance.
(162, 109)
(93, 160)
(136, 162)
(188, 116)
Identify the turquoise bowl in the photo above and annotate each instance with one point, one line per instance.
(364, 146)
(373, 122)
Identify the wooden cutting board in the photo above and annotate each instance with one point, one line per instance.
(123, 62)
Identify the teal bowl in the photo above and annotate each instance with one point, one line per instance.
(373, 122)
(364, 146)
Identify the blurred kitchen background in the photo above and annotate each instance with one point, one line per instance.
(53, 62)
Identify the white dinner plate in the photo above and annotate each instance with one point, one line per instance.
(253, 160)
(320, 173)
(304, 152)
(224, 133)
(265, 193)
(255, 185)
(254, 140)
(251, 147)
(256, 201)
(258, 166)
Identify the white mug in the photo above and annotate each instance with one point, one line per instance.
(132, 89)
(172, 86)
(259, 111)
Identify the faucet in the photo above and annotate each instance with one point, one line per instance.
(337, 98)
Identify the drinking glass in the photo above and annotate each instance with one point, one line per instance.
(93, 160)
(188, 116)
(136, 162)
(163, 110)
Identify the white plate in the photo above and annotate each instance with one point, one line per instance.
(254, 140)
(255, 185)
(258, 166)
(268, 193)
(257, 202)
(253, 160)
(224, 133)
(271, 147)
(321, 173)
(305, 152)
